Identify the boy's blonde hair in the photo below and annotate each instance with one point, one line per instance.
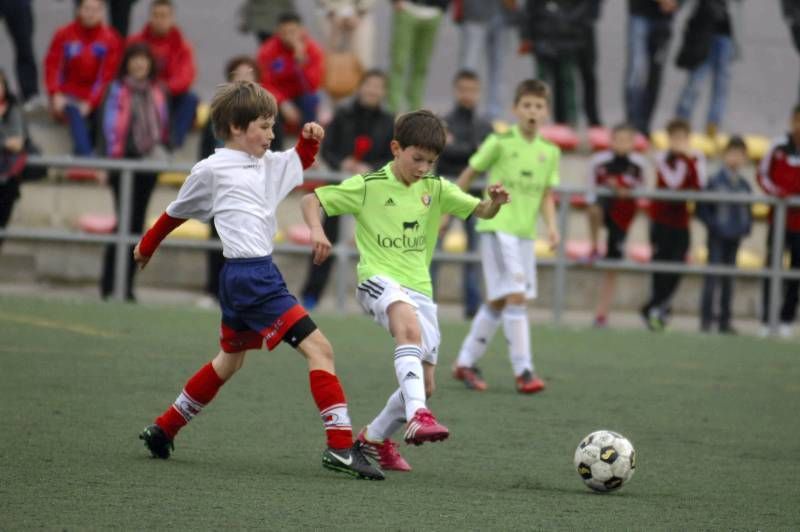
(237, 104)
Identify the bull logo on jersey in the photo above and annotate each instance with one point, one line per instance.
(408, 240)
(426, 200)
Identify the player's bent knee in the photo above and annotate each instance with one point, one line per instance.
(318, 351)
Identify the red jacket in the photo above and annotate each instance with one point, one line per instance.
(676, 172)
(82, 61)
(282, 76)
(779, 175)
(174, 58)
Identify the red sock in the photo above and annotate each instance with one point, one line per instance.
(329, 396)
(198, 392)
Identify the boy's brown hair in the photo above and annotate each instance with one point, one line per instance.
(678, 125)
(239, 103)
(422, 129)
(236, 61)
(532, 87)
(627, 127)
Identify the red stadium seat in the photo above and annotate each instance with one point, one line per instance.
(641, 143)
(599, 138)
(97, 223)
(640, 252)
(578, 249)
(81, 174)
(299, 234)
(561, 135)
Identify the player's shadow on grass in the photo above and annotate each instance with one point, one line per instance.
(527, 484)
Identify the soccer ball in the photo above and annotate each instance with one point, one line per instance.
(605, 460)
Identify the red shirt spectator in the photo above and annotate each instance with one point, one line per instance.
(676, 171)
(291, 63)
(779, 175)
(83, 57)
(175, 65)
(619, 172)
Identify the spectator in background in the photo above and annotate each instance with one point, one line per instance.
(485, 29)
(676, 169)
(80, 62)
(649, 33)
(134, 122)
(558, 33)
(291, 65)
(586, 60)
(779, 175)
(619, 170)
(119, 13)
(12, 150)
(710, 44)
(356, 142)
(18, 15)
(791, 12)
(175, 66)
(466, 131)
(350, 22)
(726, 225)
(260, 17)
(414, 27)
(239, 68)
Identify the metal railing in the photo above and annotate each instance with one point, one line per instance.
(343, 253)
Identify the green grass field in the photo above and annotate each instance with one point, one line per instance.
(714, 421)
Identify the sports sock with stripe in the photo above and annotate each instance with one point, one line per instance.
(329, 396)
(518, 334)
(198, 392)
(483, 328)
(390, 419)
(408, 368)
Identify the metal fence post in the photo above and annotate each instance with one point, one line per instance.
(342, 257)
(560, 281)
(123, 232)
(776, 264)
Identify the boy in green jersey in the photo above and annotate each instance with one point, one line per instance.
(398, 210)
(527, 165)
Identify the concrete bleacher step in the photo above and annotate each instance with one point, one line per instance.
(17, 267)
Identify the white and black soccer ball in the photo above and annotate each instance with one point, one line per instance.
(605, 460)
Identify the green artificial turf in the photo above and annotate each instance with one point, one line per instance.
(714, 421)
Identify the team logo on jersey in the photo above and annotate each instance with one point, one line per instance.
(408, 240)
(426, 200)
(389, 203)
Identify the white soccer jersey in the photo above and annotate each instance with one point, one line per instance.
(241, 193)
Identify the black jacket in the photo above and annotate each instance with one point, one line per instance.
(704, 23)
(559, 27)
(468, 131)
(350, 121)
(648, 8)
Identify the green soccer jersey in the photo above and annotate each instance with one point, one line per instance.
(396, 225)
(526, 169)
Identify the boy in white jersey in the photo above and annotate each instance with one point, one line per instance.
(241, 185)
(528, 166)
(398, 211)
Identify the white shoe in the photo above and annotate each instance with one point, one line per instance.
(785, 330)
(207, 302)
(763, 331)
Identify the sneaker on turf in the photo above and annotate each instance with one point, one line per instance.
(471, 377)
(529, 382)
(351, 461)
(384, 452)
(653, 318)
(157, 441)
(423, 427)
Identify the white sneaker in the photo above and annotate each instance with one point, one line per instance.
(207, 302)
(763, 331)
(785, 330)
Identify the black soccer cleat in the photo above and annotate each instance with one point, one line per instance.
(157, 441)
(351, 461)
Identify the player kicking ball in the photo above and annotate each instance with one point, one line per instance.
(398, 210)
(241, 185)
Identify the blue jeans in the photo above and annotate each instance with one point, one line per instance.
(80, 130)
(182, 109)
(718, 64)
(648, 44)
(491, 37)
(471, 276)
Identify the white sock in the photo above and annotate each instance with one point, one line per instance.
(408, 368)
(390, 419)
(518, 334)
(481, 332)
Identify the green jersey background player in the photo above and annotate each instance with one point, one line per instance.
(398, 211)
(528, 166)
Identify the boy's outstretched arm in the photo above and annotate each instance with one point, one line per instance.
(488, 208)
(153, 237)
(311, 208)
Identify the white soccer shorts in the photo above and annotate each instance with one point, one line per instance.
(378, 292)
(509, 265)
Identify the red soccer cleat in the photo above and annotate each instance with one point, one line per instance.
(471, 377)
(423, 427)
(385, 453)
(529, 383)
